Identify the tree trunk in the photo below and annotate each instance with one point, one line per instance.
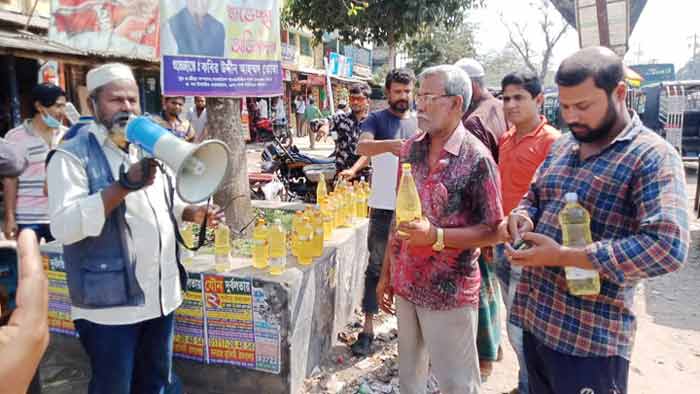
(392, 52)
(224, 123)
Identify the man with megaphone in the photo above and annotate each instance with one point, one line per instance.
(113, 211)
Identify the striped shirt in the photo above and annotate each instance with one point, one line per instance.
(635, 192)
(32, 204)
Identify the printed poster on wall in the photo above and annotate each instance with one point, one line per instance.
(190, 336)
(125, 28)
(229, 321)
(221, 48)
(60, 320)
(267, 330)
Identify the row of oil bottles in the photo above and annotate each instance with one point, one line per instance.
(335, 209)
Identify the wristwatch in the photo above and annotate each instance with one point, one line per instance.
(439, 244)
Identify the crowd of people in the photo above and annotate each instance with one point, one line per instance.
(490, 174)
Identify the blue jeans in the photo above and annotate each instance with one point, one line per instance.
(42, 230)
(129, 358)
(515, 333)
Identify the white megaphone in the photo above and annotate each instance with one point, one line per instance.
(199, 168)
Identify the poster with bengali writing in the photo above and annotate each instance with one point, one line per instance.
(190, 335)
(229, 321)
(267, 330)
(221, 48)
(60, 320)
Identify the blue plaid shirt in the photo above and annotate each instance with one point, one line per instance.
(635, 192)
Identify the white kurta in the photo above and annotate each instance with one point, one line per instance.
(76, 215)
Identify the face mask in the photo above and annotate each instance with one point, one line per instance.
(50, 121)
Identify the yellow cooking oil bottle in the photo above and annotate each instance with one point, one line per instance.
(349, 205)
(575, 222)
(408, 206)
(222, 248)
(337, 210)
(188, 239)
(364, 186)
(317, 225)
(296, 222)
(260, 245)
(327, 217)
(304, 239)
(321, 188)
(277, 240)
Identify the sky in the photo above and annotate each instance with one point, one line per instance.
(664, 31)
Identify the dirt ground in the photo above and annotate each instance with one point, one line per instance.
(666, 357)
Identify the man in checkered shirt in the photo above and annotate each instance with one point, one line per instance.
(632, 182)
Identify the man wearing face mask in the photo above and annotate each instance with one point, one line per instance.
(196, 32)
(633, 184)
(26, 205)
(111, 213)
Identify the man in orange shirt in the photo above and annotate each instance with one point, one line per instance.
(521, 151)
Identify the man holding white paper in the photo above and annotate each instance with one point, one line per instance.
(381, 138)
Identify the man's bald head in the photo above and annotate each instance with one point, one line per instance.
(599, 63)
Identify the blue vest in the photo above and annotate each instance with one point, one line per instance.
(101, 271)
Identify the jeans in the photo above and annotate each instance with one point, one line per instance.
(552, 372)
(129, 358)
(42, 230)
(377, 237)
(515, 333)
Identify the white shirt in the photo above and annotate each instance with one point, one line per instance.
(198, 122)
(262, 107)
(301, 106)
(280, 113)
(76, 215)
(385, 168)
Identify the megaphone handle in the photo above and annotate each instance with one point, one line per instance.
(128, 184)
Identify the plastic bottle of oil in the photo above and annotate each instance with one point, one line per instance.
(408, 206)
(327, 218)
(357, 199)
(260, 245)
(321, 189)
(296, 222)
(337, 211)
(364, 212)
(305, 241)
(318, 238)
(349, 205)
(222, 248)
(277, 240)
(188, 239)
(575, 222)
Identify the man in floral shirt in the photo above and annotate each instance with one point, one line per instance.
(348, 163)
(432, 263)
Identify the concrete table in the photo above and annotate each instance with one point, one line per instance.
(242, 331)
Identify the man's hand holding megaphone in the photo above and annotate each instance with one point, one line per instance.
(140, 174)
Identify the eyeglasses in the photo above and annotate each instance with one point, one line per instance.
(429, 98)
(358, 99)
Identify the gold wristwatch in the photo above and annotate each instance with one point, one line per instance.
(439, 244)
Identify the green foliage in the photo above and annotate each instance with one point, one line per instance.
(378, 21)
(440, 45)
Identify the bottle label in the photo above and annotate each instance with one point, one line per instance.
(574, 273)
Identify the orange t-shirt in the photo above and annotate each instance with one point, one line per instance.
(518, 161)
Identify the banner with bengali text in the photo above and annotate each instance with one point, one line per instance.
(221, 48)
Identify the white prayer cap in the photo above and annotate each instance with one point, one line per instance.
(106, 74)
(472, 67)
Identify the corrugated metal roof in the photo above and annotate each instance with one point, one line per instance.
(35, 43)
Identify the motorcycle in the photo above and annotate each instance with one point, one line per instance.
(297, 172)
(266, 130)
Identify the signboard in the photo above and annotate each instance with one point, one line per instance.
(603, 22)
(340, 65)
(289, 53)
(653, 73)
(125, 28)
(234, 51)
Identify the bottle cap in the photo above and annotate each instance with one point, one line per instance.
(406, 166)
(571, 197)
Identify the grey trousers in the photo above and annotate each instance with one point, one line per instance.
(444, 340)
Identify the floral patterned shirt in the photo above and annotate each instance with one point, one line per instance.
(462, 190)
